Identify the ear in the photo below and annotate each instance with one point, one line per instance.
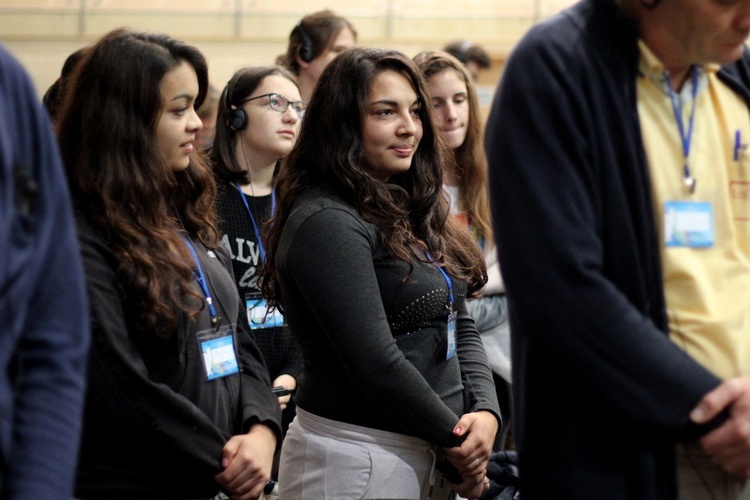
(302, 64)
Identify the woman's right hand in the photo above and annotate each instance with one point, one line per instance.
(472, 456)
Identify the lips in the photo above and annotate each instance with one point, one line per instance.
(287, 133)
(404, 149)
(188, 147)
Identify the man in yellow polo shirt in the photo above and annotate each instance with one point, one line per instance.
(620, 184)
(703, 220)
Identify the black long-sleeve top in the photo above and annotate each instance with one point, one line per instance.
(280, 350)
(154, 426)
(374, 344)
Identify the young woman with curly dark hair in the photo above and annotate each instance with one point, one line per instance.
(372, 274)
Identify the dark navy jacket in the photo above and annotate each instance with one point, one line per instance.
(601, 393)
(44, 331)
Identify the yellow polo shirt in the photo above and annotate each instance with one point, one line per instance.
(707, 288)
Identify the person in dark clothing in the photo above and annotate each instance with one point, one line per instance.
(257, 125)
(44, 331)
(179, 402)
(372, 274)
(583, 144)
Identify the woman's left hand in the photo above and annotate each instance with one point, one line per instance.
(247, 460)
(471, 458)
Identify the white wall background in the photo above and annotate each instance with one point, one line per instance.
(235, 33)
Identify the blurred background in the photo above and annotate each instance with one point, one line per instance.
(236, 33)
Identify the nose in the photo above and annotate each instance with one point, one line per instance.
(194, 122)
(450, 112)
(408, 126)
(290, 115)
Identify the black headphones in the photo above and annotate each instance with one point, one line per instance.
(306, 51)
(236, 118)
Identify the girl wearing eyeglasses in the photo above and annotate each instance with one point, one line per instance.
(257, 125)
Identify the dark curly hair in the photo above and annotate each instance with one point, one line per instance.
(120, 180)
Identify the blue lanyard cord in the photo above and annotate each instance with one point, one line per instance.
(256, 229)
(685, 138)
(201, 279)
(447, 280)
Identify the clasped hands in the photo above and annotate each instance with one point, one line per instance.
(472, 456)
(247, 460)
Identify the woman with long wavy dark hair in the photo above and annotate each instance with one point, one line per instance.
(179, 402)
(372, 276)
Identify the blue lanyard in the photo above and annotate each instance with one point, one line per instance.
(447, 280)
(685, 138)
(201, 279)
(252, 219)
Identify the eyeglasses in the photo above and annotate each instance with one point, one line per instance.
(278, 102)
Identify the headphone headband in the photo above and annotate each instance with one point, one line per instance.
(227, 99)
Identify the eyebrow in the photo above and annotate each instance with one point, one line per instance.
(451, 96)
(384, 101)
(181, 96)
(392, 103)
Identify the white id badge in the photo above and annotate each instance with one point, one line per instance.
(218, 354)
(451, 335)
(688, 224)
(258, 314)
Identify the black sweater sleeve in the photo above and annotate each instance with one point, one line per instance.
(476, 375)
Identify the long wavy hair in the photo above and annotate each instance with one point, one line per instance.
(119, 178)
(469, 158)
(321, 28)
(410, 210)
(241, 86)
